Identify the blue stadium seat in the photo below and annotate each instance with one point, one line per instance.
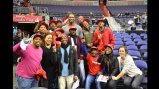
(116, 47)
(127, 39)
(136, 36)
(134, 54)
(115, 52)
(127, 36)
(145, 56)
(142, 34)
(145, 37)
(139, 43)
(141, 64)
(143, 48)
(118, 39)
(132, 47)
(124, 34)
(118, 36)
(133, 35)
(137, 39)
(129, 43)
(119, 43)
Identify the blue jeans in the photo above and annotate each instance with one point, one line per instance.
(26, 83)
(82, 72)
(90, 79)
(133, 82)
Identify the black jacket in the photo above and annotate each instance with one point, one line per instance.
(73, 64)
(110, 64)
(48, 62)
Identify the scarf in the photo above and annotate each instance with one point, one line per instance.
(74, 38)
(65, 52)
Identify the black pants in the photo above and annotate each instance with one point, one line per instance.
(110, 84)
(133, 82)
(49, 83)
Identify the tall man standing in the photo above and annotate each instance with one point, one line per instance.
(72, 24)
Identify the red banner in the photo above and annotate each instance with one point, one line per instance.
(26, 18)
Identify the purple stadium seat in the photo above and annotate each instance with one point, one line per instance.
(127, 39)
(137, 39)
(139, 43)
(145, 56)
(145, 37)
(132, 47)
(136, 36)
(134, 54)
(118, 39)
(116, 47)
(142, 34)
(119, 43)
(143, 48)
(118, 36)
(115, 52)
(133, 34)
(141, 64)
(127, 36)
(129, 43)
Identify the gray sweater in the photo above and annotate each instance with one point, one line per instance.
(78, 31)
(129, 66)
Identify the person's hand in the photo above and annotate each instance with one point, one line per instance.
(107, 77)
(90, 44)
(40, 22)
(25, 37)
(114, 78)
(99, 36)
(75, 78)
(54, 48)
(79, 60)
(99, 73)
(83, 40)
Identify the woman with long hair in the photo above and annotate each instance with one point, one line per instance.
(47, 65)
(111, 67)
(128, 70)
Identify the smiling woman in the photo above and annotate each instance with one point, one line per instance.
(132, 74)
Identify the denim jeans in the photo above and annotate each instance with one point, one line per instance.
(82, 72)
(110, 84)
(133, 82)
(26, 83)
(89, 81)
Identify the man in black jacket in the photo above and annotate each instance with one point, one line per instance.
(66, 58)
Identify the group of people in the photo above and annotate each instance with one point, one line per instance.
(58, 55)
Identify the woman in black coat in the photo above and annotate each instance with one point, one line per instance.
(111, 67)
(48, 65)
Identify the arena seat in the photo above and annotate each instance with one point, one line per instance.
(119, 43)
(135, 54)
(132, 47)
(129, 43)
(141, 64)
(116, 47)
(127, 39)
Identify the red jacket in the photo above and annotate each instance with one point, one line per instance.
(94, 68)
(58, 43)
(107, 38)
